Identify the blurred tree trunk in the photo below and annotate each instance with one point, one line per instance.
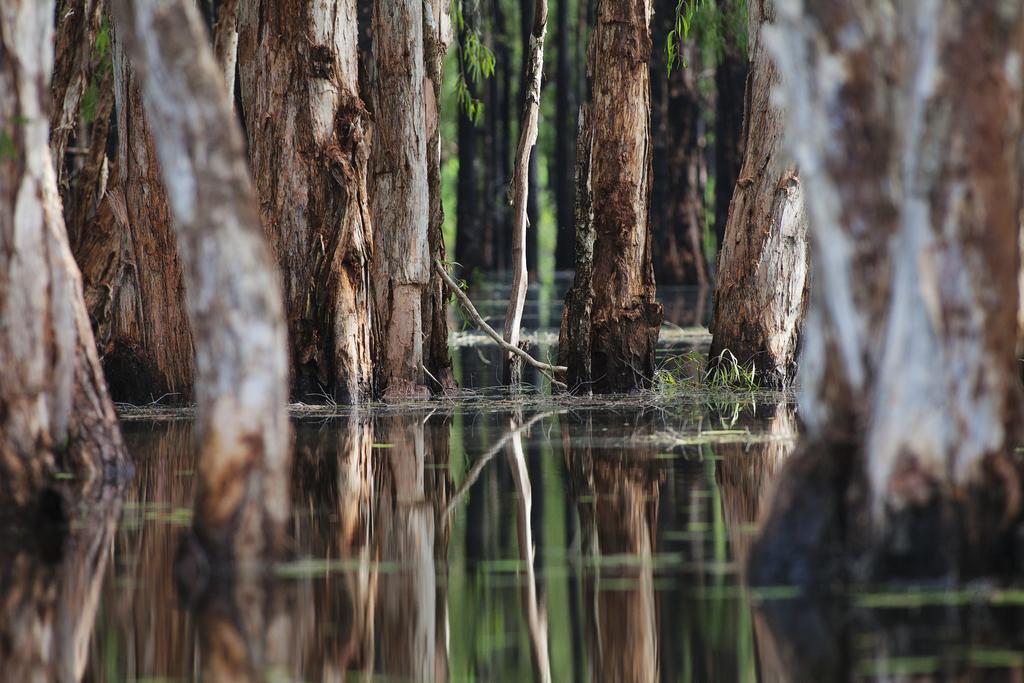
(624, 319)
(501, 161)
(909, 389)
(561, 172)
(55, 413)
(437, 35)
(470, 234)
(761, 283)
(130, 266)
(677, 186)
(399, 198)
(242, 431)
(309, 149)
(730, 88)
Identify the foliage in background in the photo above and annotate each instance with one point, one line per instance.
(710, 23)
(476, 63)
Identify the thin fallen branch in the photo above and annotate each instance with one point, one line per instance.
(547, 369)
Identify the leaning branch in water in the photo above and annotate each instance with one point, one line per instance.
(547, 369)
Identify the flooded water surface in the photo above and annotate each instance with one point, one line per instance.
(484, 539)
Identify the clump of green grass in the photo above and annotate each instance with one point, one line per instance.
(690, 372)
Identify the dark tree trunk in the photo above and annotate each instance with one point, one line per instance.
(235, 303)
(730, 87)
(470, 235)
(501, 166)
(677, 192)
(625, 318)
(909, 389)
(55, 415)
(561, 172)
(760, 287)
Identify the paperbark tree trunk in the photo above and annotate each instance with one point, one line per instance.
(524, 188)
(78, 24)
(54, 411)
(399, 198)
(760, 287)
(234, 295)
(527, 30)
(130, 266)
(625, 317)
(909, 389)
(437, 35)
(308, 146)
(730, 88)
(677, 186)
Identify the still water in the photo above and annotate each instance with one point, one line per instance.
(483, 540)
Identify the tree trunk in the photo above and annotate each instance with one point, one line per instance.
(502, 160)
(470, 235)
(730, 88)
(225, 43)
(625, 317)
(130, 266)
(308, 148)
(399, 198)
(437, 36)
(78, 23)
(760, 287)
(909, 390)
(561, 172)
(55, 414)
(242, 431)
(677, 188)
(527, 29)
(523, 187)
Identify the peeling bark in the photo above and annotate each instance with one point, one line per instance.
(761, 284)
(399, 198)
(909, 386)
(437, 35)
(308, 147)
(625, 318)
(78, 23)
(522, 186)
(234, 299)
(54, 411)
(130, 266)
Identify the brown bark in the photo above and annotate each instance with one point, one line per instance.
(437, 35)
(128, 255)
(625, 317)
(54, 411)
(760, 288)
(399, 198)
(78, 23)
(308, 146)
(235, 304)
(225, 43)
(522, 186)
(574, 337)
(909, 389)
